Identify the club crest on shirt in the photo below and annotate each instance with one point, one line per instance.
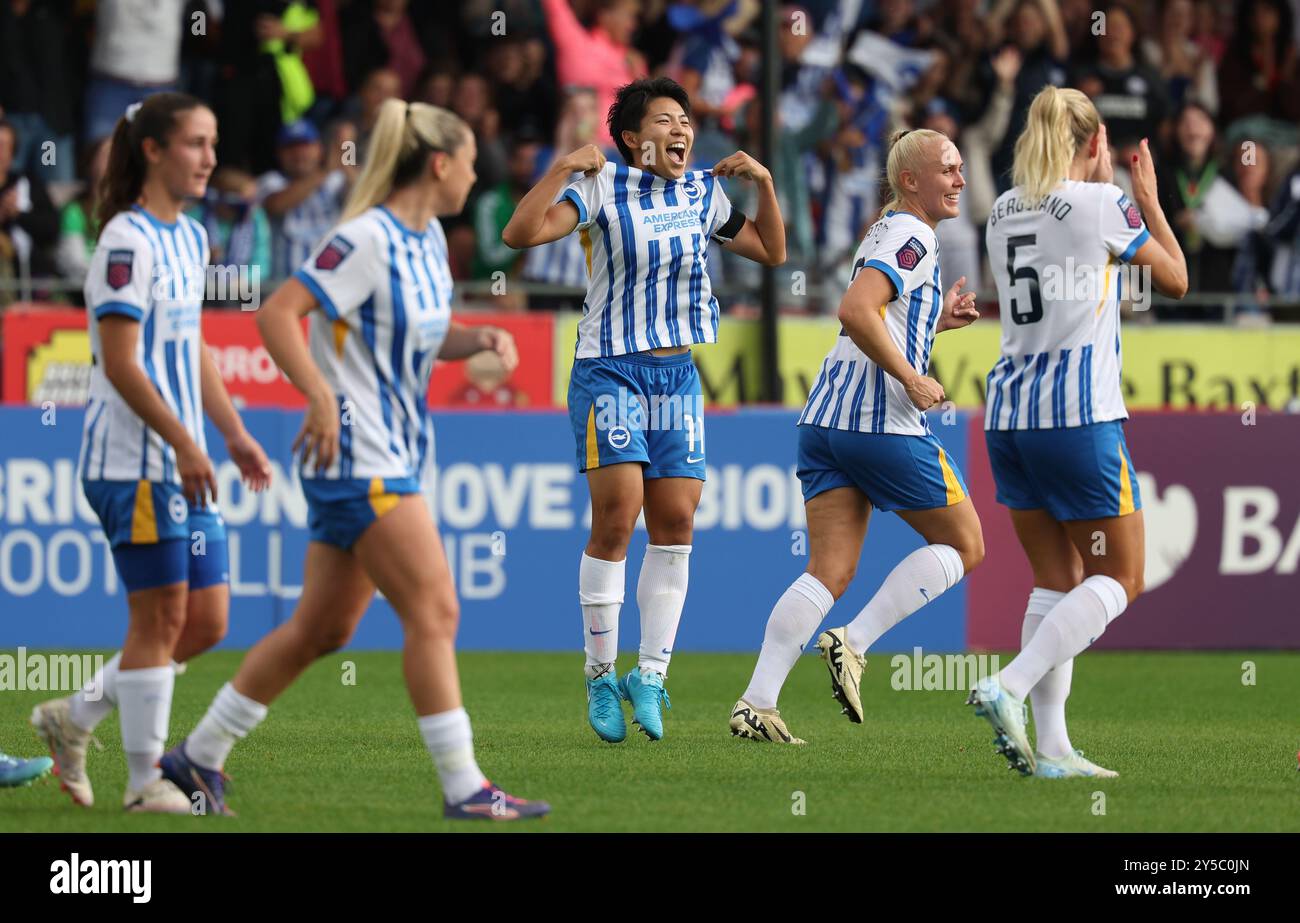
(118, 269)
(1132, 216)
(691, 190)
(177, 508)
(910, 254)
(335, 252)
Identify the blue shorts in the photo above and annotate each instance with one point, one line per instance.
(896, 472)
(1074, 472)
(339, 510)
(639, 408)
(159, 538)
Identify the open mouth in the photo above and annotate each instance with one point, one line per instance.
(952, 198)
(677, 153)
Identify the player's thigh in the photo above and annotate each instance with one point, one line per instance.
(837, 527)
(403, 554)
(957, 526)
(1052, 555)
(336, 591)
(1114, 547)
(670, 505)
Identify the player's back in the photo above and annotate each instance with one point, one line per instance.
(1055, 263)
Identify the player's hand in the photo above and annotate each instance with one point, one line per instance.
(1143, 171)
(742, 165)
(319, 436)
(1104, 172)
(924, 392)
(958, 308)
(198, 479)
(503, 344)
(250, 459)
(588, 159)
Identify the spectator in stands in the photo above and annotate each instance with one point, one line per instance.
(492, 213)
(525, 96)
(602, 56)
(1129, 95)
(472, 101)
(380, 33)
(304, 198)
(704, 62)
(437, 86)
(29, 224)
(284, 32)
(136, 52)
(239, 234)
(1281, 238)
(1173, 50)
(34, 89)
(78, 227)
(362, 110)
(1258, 75)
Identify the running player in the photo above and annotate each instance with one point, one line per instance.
(864, 442)
(378, 292)
(1054, 407)
(144, 462)
(635, 401)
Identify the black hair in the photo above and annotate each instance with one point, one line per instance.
(631, 103)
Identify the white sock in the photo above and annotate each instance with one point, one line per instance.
(600, 592)
(92, 703)
(660, 595)
(794, 619)
(918, 579)
(1074, 623)
(230, 718)
(145, 702)
(450, 742)
(1049, 695)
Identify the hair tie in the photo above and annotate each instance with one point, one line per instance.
(131, 110)
(408, 112)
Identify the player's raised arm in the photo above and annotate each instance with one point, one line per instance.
(763, 239)
(538, 218)
(860, 313)
(1161, 251)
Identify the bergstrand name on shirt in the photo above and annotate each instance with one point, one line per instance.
(1012, 205)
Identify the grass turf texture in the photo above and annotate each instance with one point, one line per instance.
(1197, 751)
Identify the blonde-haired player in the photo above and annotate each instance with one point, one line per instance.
(864, 442)
(378, 292)
(1054, 409)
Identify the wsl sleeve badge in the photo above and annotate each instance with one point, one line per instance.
(335, 252)
(1132, 217)
(117, 272)
(909, 255)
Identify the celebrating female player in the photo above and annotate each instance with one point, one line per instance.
(143, 463)
(864, 442)
(1054, 408)
(378, 291)
(635, 400)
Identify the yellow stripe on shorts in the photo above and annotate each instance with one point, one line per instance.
(144, 525)
(1125, 484)
(950, 482)
(593, 452)
(380, 501)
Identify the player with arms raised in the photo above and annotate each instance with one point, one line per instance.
(1054, 408)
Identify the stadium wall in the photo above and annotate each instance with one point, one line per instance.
(1223, 521)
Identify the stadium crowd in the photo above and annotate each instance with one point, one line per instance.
(296, 87)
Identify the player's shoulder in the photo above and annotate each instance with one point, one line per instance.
(903, 235)
(196, 228)
(126, 229)
(355, 240)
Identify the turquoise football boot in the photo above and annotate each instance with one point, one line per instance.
(1007, 715)
(645, 690)
(15, 772)
(605, 707)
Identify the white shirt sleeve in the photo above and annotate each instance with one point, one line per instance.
(905, 253)
(589, 195)
(344, 268)
(120, 272)
(1122, 228)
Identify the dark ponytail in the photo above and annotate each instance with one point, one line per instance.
(124, 177)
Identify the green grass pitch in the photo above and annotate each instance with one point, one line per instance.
(1197, 751)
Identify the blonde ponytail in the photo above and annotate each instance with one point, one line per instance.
(400, 142)
(906, 152)
(1059, 123)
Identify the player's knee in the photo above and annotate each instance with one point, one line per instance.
(972, 552)
(674, 528)
(1133, 585)
(330, 639)
(207, 633)
(836, 578)
(164, 616)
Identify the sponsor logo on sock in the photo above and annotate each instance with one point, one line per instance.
(103, 876)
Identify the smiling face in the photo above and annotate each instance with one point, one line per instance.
(937, 179)
(186, 161)
(663, 145)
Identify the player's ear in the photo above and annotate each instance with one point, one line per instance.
(438, 162)
(1093, 143)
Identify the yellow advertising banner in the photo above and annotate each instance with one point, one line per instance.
(1172, 367)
